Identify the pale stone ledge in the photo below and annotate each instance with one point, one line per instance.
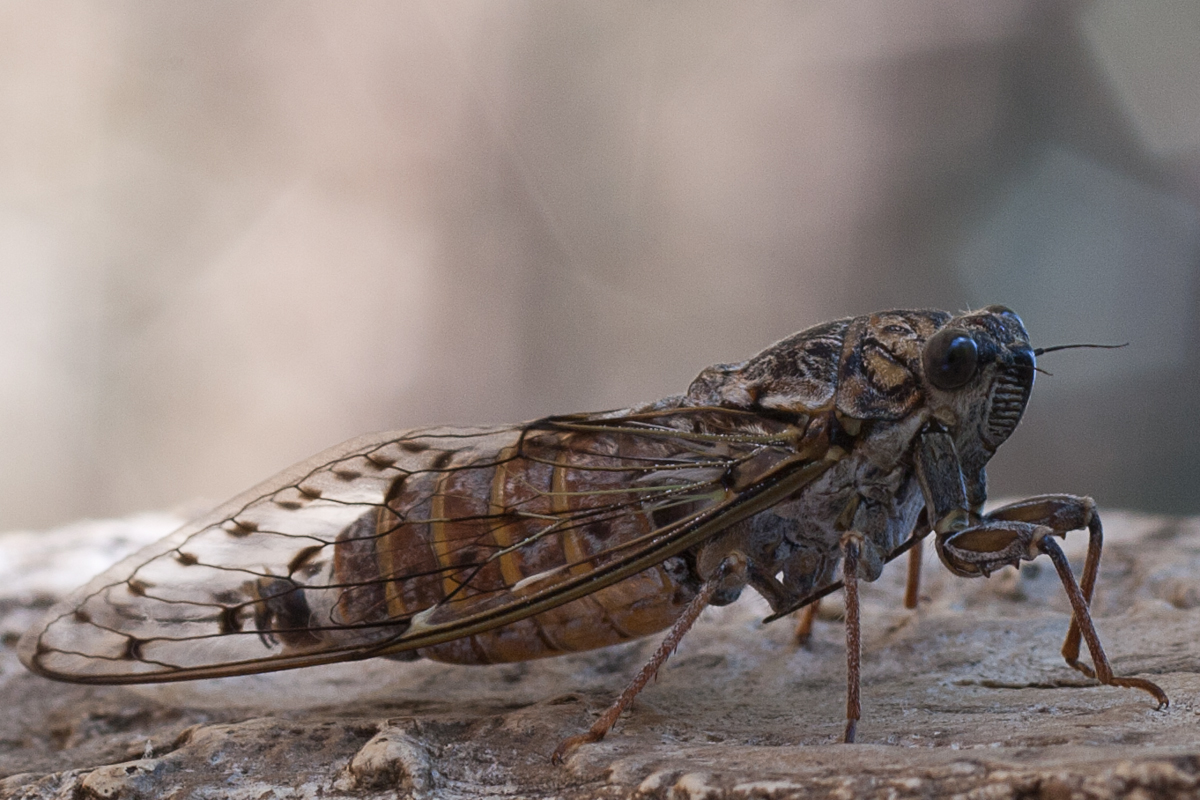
(967, 696)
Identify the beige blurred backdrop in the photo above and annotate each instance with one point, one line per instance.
(234, 233)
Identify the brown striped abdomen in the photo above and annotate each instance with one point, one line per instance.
(474, 527)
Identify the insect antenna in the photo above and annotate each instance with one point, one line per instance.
(1039, 351)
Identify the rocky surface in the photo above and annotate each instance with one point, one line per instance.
(967, 696)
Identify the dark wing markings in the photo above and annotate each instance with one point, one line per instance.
(465, 614)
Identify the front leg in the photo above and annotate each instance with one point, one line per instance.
(1020, 532)
(1065, 512)
(971, 545)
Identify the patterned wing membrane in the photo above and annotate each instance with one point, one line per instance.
(400, 541)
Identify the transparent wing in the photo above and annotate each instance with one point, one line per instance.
(398, 541)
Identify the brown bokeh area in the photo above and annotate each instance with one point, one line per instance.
(232, 234)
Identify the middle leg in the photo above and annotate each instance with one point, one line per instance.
(851, 550)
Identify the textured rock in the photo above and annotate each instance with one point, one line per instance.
(968, 696)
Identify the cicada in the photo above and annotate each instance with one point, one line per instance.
(796, 472)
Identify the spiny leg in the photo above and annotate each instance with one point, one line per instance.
(851, 544)
(1015, 533)
(1091, 567)
(1063, 513)
(804, 623)
(912, 587)
(733, 564)
(913, 546)
(1083, 621)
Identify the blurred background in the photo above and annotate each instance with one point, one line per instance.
(232, 234)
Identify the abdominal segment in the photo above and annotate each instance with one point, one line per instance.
(637, 606)
(463, 538)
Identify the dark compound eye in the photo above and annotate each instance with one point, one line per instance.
(951, 358)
